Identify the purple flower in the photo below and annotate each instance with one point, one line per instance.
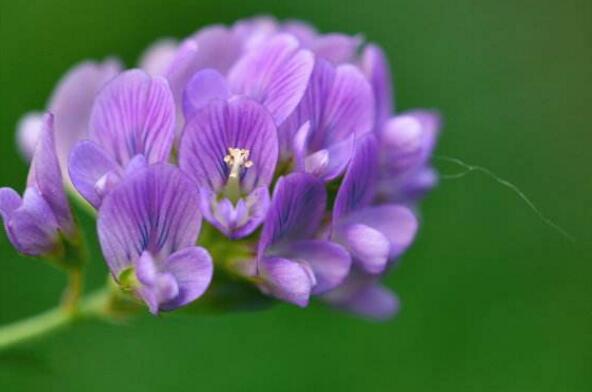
(147, 228)
(337, 107)
(35, 222)
(71, 103)
(374, 235)
(230, 150)
(291, 264)
(132, 117)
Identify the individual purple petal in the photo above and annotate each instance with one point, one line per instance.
(348, 109)
(297, 208)
(28, 131)
(255, 32)
(397, 223)
(304, 32)
(192, 269)
(369, 247)
(93, 172)
(328, 261)
(46, 177)
(10, 200)
(158, 56)
(32, 227)
(287, 280)
(327, 164)
(359, 184)
(214, 47)
(134, 114)
(154, 210)
(376, 68)
(203, 87)
(337, 48)
(276, 74)
(362, 295)
(238, 124)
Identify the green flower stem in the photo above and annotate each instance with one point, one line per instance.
(94, 306)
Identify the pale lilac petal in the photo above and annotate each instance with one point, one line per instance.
(45, 175)
(254, 32)
(203, 87)
(408, 140)
(32, 227)
(287, 280)
(369, 247)
(134, 114)
(158, 56)
(304, 32)
(192, 269)
(155, 210)
(297, 208)
(397, 223)
(359, 184)
(236, 221)
(337, 48)
(329, 262)
(93, 172)
(238, 123)
(72, 101)
(28, 131)
(275, 74)
(10, 200)
(374, 301)
(376, 68)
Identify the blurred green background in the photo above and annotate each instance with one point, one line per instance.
(493, 299)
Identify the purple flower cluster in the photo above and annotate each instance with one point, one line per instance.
(283, 139)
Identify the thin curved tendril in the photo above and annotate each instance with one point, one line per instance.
(474, 168)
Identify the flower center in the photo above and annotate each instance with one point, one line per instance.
(236, 159)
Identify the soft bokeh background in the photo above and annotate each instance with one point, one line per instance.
(494, 300)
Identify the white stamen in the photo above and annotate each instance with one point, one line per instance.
(236, 159)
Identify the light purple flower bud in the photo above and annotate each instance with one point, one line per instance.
(407, 142)
(134, 115)
(35, 222)
(147, 228)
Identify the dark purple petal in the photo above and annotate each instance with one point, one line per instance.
(327, 164)
(32, 227)
(93, 172)
(329, 262)
(359, 184)
(287, 280)
(297, 208)
(276, 74)
(239, 123)
(45, 175)
(376, 68)
(134, 114)
(203, 87)
(154, 210)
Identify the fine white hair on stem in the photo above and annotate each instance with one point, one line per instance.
(468, 168)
